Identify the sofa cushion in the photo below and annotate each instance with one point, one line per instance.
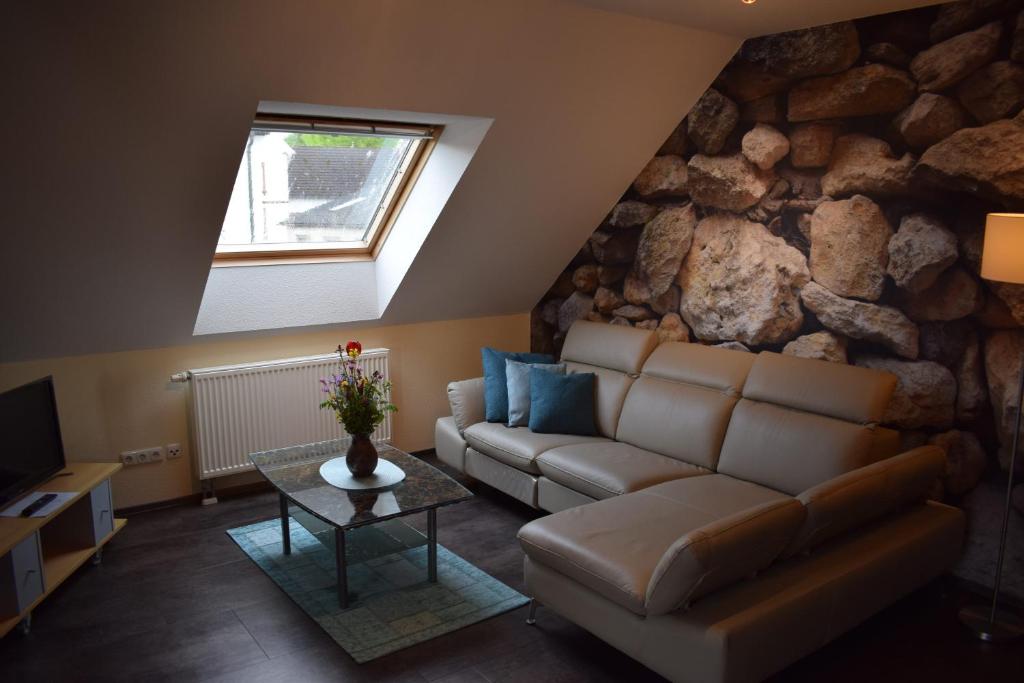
(682, 421)
(517, 375)
(853, 499)
(562, 404)
(706, 366)
(615, 545)
(466, 399)
(518, 446)
(845, 392)
(608, 346)
(496, 383)
(602, 470)
(790, 450)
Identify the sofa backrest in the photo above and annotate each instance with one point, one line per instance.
(802, 422)
(615, 353)
(681, 403)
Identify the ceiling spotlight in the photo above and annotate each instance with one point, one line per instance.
(748, 2)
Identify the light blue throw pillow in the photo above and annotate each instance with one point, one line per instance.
(562, 404)
(518, 378)
(495, 383)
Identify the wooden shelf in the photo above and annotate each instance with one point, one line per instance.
(63, 552)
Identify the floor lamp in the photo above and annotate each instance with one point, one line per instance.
(1002, 260)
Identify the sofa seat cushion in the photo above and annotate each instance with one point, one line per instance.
(615, 546)
(517, 446)
(602, 470)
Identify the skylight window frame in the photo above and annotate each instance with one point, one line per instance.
(425, 139)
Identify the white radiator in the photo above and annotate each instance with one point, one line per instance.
(241, 409)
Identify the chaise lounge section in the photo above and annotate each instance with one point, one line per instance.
(735, 513)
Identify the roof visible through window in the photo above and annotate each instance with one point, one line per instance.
(315, 187)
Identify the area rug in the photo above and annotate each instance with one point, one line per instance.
(393, 605)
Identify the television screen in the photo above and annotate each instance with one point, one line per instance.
(30, 446)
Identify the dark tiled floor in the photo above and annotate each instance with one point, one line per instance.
(175, 599)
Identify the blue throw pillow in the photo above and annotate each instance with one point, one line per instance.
(518, 375)
(495, 382)
(562, 404)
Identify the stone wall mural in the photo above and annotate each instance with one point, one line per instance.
(826, 198)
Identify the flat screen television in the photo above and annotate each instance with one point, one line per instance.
(31, 450)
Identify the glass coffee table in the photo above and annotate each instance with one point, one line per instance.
(330, 513)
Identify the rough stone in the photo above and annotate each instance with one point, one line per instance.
(607, 300)
(739, 282)
(673, 329)
(767, 109)
(609, 275)
(930, 119)
(549, 311)
(861, 91)
(954, 295)
(994, 92)
(540, 333)
(944, 341)
(802, 184)
(1013, 296)
(921, 249)
(662, 176)
(965, 460)
(577, 307)
(925, 392)
(584, 278)
(1003, 353)
(651, 325)
(563, 286)
(811, 144)
(764, 146)
(984, 161)
(663, 244)
(596, 317)
(1017, 48)
(677, 142)
(667, 302)
(631, 214)
(887, 53)
(614, 248)
(880, 324)
(956, 17)
(970, 379)
(730, 182)
(633, 313)
(861, 163)
(618, 320)
(711, 120)
(819, 345)
(746, 82)
(995, 314)
(949, 62)
(849, 241)
(733, 346)
(806, 52)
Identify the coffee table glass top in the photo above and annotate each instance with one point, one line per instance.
(295, 472)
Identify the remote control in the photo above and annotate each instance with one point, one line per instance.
(38, 504)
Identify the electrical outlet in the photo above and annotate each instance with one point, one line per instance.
(128, 458)
(154, 454)
(173, 450)
(143, 455)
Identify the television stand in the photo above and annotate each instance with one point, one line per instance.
(38, 553)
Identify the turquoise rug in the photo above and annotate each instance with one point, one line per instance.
(393, 605)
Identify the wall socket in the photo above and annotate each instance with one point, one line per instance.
(143, 456)
(173, 450)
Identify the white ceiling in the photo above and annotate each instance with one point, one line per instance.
(124, 124)
(735, 18)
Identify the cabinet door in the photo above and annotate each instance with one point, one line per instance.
(102, 511)
(28, 572)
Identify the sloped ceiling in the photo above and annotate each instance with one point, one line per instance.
(125, 121)
(747, 21)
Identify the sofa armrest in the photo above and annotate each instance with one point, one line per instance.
(466, 398)
(865, 494)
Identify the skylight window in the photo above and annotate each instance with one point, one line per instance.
(320, 187)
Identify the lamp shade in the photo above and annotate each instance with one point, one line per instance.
(1002, 258)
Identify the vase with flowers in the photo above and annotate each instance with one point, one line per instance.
(360, 402)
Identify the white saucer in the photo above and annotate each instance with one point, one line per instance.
(335, 472)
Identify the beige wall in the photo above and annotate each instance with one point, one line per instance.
(122, 401)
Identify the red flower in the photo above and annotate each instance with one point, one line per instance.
(353, 349)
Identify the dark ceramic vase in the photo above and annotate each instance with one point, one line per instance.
(361, 457)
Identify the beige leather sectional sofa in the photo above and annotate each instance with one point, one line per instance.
(737, 511)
